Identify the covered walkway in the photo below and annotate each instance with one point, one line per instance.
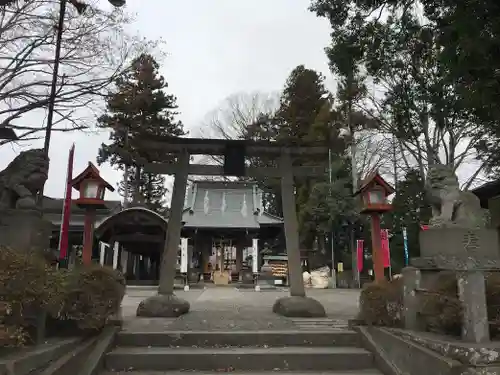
(132, 241)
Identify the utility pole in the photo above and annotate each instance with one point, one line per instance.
(332, 246)
(125, 173)
(80, 7)
(354, 176)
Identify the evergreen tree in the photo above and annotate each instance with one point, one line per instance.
(410, 210)
(306, 115)
(139, 107)
(150, 189)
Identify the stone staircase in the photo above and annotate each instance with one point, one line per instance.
(336, 352)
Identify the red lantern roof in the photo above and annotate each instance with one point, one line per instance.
(90, 173)
(374, 178)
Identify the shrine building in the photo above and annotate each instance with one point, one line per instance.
(224, 224)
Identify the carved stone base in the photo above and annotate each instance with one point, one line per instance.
(163, 306)
(299, 307)
(460, 243)
(24, 230)
(455, 263)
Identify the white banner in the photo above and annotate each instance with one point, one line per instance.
(115, 255)
(102, 252)
(255, 255)
(184, 255)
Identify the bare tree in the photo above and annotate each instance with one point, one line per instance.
(95, 49)
(235, 113)
(233, 116)
(453, 144)
(373, 151)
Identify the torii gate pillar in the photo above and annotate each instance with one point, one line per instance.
(166, 304)
(297, 304)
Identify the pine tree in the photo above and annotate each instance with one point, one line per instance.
(151, 190)
(306, 115)
(139, 106)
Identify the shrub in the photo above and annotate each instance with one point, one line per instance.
(92, 294)
(381, 304)
(493, 301)
(10, 335)
(441, 309)
(27, 287)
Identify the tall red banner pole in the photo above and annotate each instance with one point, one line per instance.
(66, 213)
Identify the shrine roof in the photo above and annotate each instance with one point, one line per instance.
(487, 191)
(132, 221)
(221, 204)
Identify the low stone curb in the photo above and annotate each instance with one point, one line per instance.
(103, 344)
(26, 361)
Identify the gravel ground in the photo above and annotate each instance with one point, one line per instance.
(225, 309)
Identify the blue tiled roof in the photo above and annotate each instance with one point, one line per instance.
(215, 204)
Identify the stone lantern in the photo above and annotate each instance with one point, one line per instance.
(373, 195)
(91, 187)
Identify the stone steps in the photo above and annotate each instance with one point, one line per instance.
(360, 372)
(238, 339)
(298, 351)
(321, 324)
(255, 359)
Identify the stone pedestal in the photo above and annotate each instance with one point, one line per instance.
(469, 253)
(163, 306)
(25, 230)
(460, 242)
(299, 307)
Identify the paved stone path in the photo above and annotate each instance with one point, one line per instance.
(227, 308)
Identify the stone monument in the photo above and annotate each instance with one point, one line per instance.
(22, 226)
(458, 239)
(458, 230)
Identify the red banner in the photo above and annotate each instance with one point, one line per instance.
(384, 245)
(360, 254)
(424, 226)
(63, 235)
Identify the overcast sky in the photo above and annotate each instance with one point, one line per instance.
(215, 48)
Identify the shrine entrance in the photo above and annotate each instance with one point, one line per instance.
(225, 224)
(235, 153)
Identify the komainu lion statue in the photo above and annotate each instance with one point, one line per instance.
(452, 207)
(23, 178)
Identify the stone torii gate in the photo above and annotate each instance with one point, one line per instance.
(166, 304)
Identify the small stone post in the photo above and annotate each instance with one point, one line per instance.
(472, 294)
(411, 282)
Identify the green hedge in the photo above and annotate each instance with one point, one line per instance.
(381, 304)
(92, 294)
(83, 298)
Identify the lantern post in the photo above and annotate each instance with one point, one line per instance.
(92, 188)
(374, 192)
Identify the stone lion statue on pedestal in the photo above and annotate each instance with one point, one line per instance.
(452, 207)
(23, 179)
